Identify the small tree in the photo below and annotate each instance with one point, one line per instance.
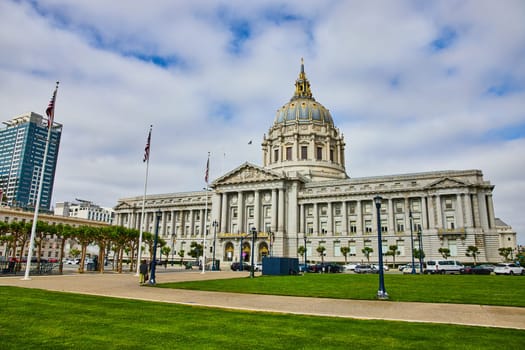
(445, 252)
(301, 250)
(181, 254)
(367, 251)
(196, 250)
(473, 252)
(74, 253)
(419, 254)
(392, 250)
(166, 252)
(345, 251)
(505, 253)
(321, 249)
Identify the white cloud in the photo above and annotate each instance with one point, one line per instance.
(403, 104)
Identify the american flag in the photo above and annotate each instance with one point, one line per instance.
(146, 150)
(50, 110)
(207, 169)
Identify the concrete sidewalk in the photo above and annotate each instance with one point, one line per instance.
(126, 286)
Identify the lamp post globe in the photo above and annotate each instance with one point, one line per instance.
(381, 293)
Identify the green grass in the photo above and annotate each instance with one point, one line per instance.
(463, 289)
(37, 319)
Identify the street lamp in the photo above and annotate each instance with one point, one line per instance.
(241, 257)
(305, 250)
(270, 235)
(381, 293)
(215, 224)
(419, 236)
(412, 240)
(254, 236)
(152, 281)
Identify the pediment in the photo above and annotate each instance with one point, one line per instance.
(446, 182)
(247, 173)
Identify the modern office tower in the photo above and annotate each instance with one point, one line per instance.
(22, 147)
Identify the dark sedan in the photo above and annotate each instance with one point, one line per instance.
(237, 266)
(483, 269)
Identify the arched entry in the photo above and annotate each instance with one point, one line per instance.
(228, 251)
(263, 251)
(246, 251)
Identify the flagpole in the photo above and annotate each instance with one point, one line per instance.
(40, 185)
(206, 177)
(143, 214)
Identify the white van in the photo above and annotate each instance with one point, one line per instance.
(443, 266)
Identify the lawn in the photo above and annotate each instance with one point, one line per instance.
(37, 319)
(464, 289)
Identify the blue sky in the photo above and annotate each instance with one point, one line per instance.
(414, 86)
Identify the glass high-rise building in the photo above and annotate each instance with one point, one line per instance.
(22, 147)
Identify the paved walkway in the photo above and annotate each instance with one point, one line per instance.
(126, 286)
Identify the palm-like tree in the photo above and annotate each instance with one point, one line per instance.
(345, 251)
(473, 252)
(321, 249)
(445, 252)
(367, 251)
(301, 250)
(392, 250)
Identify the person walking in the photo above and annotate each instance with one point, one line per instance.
(143, 272)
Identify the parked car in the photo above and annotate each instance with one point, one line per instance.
(443, 267)
(236, 266)
(258, 267)
(508, 269)
(365, 268)
(385, 267)
(408, 269)
(349, 267)
(333, 268)
(483, 269)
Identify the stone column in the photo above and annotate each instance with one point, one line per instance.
(424, 213)
(490, 211)
(301, 218)
(344, 219)
(459, 210)
(316, 219)
(359, 215)
(281, 209)
(391, 216)
(468, 210)
(224, 212)
(257, 209)
(482, 208)
(439, 212)
(240, 212)
(192, 223)
(330, 223)
(274, 210)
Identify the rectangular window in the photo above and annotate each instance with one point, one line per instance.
(275, 155)
(448, 204)
(352, 251)
(400, 225)
(368, 226)
(310, 228)
(331, 155)
(310, 211)
(304, 152)
(288, 153)
(450, 222)
(324, 210)
(353, 227)
(351, 208)
(234, 213)
(337, 210)
(401, 247)
(250, 212)
(384, 226)
(338, 228)
(267, 211)
(399, 207)
(337, 249)
(453, 247)
(368, 208)
(319, 153)
(324, 228)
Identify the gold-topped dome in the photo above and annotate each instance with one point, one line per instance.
(303, 108)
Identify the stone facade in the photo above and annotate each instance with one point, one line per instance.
(301, 196)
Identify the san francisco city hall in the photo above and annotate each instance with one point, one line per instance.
(302, 193)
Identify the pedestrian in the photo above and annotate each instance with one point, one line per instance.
(143, 272)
